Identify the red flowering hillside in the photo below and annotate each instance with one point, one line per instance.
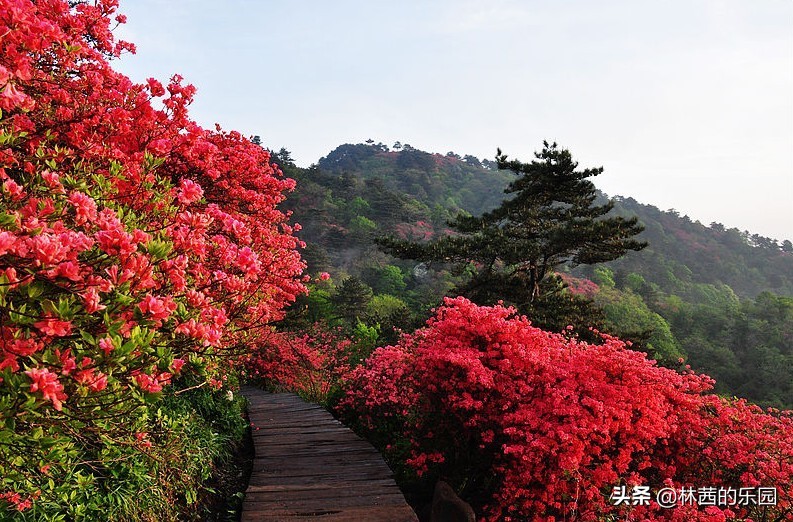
(537, 426)
(134, 245)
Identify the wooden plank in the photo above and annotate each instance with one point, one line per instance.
(310, 489)
(264, 480)
(306, 449)
(367, 514)
(284, 407)
(257, 493)
(357, 472)
(311, 418)
(307, 465)
(322, 504)
(340, 450)
(286, 429)
(313, 480)
(267, 464)
(370, 495)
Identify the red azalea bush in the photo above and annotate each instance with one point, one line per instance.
(579, 286)
(418, 231)
(134, 245)
(309, 363)
(538, 426)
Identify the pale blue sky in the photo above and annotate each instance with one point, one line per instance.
(687, 104)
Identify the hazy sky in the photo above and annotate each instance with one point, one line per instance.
(687, 104)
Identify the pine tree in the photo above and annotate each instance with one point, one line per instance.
(351, 299)
(549, 219)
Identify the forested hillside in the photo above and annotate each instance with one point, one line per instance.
(682, 252)
(449, 181)
(718, 298)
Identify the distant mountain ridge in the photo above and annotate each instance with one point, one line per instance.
(680, 251)
(456, 183)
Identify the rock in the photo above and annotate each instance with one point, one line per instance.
(448, 507)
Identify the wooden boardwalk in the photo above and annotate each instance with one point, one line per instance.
(309, 466)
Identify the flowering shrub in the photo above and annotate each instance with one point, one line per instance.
(309, 363)
(579, 286)
(540, 426)
(135, 246)
(418, 231)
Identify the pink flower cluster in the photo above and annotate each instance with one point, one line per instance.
(579, 286)
(47, 383)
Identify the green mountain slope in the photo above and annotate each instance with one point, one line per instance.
(681, 251)
(452, 182)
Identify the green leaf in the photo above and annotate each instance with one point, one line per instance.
(19, 317)
(65, 310)
(49, 306)
(35, 289)
(159, 249)
(8, 221)
(151, 398)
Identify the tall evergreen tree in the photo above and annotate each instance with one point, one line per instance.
(351, 299)
(549, 219)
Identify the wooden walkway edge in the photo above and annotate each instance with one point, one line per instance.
(307, 465)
